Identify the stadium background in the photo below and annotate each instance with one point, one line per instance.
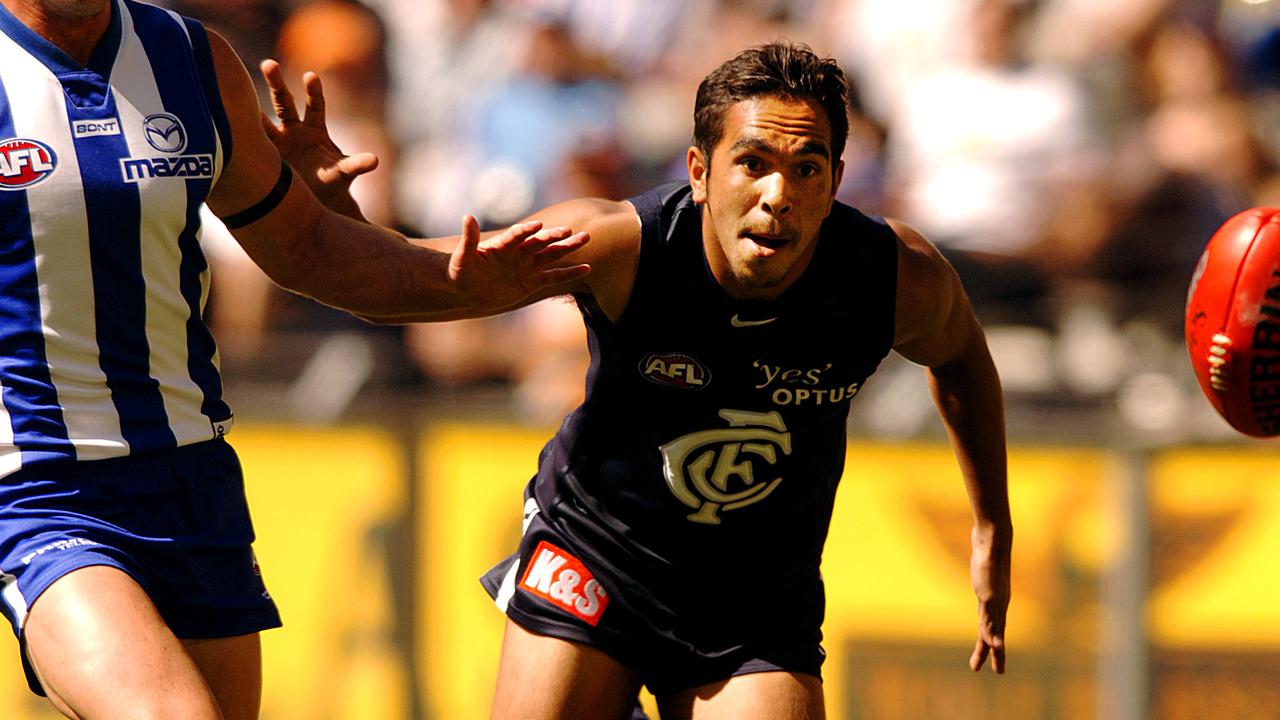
(1071, 156)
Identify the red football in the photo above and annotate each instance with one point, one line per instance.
(1233, 321)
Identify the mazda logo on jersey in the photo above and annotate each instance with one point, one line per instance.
(165, 133)
(713, 471)
(25, 162)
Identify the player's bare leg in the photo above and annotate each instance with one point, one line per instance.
(544, 678)
(758, 696)
(102, 650)
(233, 669)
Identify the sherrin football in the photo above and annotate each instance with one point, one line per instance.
(1233, 321)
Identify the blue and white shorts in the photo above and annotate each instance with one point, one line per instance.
(175, 520)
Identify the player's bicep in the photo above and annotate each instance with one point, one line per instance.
(272, 212)
(253, 167)
(934, 322)
(612, 252)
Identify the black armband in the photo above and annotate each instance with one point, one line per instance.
(266, 204)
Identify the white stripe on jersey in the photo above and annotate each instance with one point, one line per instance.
(59, 224)
(12, 597)
(161, 199)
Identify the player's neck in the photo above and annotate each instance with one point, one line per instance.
(73, 26)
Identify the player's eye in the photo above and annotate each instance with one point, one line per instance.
(808, 170)
(751, 164)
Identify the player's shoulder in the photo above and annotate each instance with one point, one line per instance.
(224, 56)
(927, 284)
(915, 251)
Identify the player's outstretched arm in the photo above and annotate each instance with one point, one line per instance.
(936, 328)
(362, 268)
(613, 227)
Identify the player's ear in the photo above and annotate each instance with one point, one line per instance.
(698, 167)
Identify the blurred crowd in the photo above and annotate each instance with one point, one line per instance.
(1071, 157)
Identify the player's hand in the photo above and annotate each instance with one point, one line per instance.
(506, 269)
(989, 567)
(304, 142)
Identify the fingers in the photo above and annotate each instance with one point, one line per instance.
(354, 166)
(547, 251)
(979, 656)
(314, 112)
(557, 276)
(281, 98)
(470, 239)
(992, 646)
(465, 250)
(517, 234)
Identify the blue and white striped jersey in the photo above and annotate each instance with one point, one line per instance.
(103, 170)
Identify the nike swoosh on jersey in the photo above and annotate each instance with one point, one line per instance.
(739, 322)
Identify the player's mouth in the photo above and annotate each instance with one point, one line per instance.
(768, 241)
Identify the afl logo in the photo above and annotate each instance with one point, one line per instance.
(25, 162)
(675, 370)
(165, 133)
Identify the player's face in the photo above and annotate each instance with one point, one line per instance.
(765, 194)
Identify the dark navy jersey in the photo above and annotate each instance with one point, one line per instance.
(704, 460)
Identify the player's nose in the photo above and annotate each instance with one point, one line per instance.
(775, 197)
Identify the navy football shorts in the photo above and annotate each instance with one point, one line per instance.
(560, 589)
(175, 520)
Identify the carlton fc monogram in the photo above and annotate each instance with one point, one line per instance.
(713, 471)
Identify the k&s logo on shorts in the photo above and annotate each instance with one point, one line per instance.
(25, 162)
(562, 580)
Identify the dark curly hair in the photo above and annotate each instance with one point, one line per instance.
(779, 69)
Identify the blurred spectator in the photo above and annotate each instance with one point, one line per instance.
(561, 99)
(1193, 160)
(251, 26)
(344, 43)
(997, 160)
(1079, 32)
(447, 60)
(518, 151)
(888, 46)
(628, 36)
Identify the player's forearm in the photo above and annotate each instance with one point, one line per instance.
(340, 201)
(366, 270)
(969, 398)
